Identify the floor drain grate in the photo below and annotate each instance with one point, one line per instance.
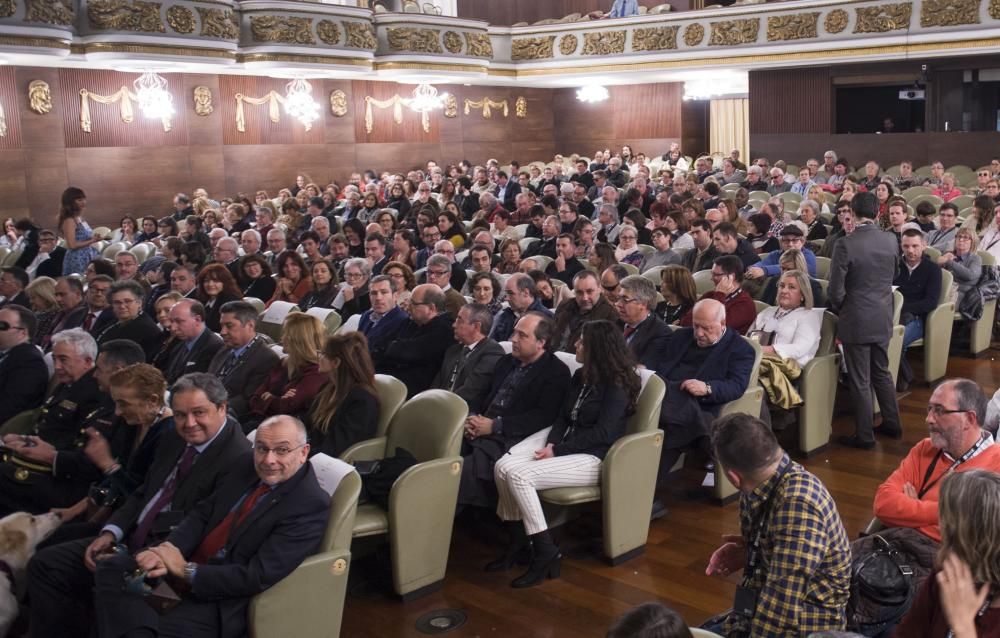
(441, 621)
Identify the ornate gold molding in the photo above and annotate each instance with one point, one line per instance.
(729, 33)
(796, 26)
(145, 49)
(48, 12)
(360, 35)
(7, 8)
(304, 59)
(122, 15)
(450, 106)
(883, 18)
(655, 38)
(328, 32)
(568, 44)
(397, 104)
(521, 107)
(604, 43)
(202, 96)
(39, 97)
(836, 21)
(694, 34)
(124, 98)
(949, 13)
(180, 19)
(479, 45)
(487, 105)
(415, 40)
(995, 9)
(452, 42)
(284, 29)
(338, 103)
(532, 48)
(218, 23)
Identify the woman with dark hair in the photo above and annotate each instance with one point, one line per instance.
(98, 266)
(603, 256)
(486, 288)
(981, 216)
(167, 227)
(387, 221)
(759, 224)
(677, 225)
(354, 230)
(80, 239)
(679, 294)
(256, 279)
(216, 287)
(602, 393)
(635, 218)
(550, 295)
(510, 257)
(159, 279)
(324, 287)
(369, 208)
(451, 229)
(293, 282)
(126, 230)
(346, 410)
(649, 620)
(148, 231)
(192, 254)
(399, 201)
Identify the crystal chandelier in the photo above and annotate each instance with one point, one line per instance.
(592, 93)
(426, 99)
(299, 102)
(152, 95)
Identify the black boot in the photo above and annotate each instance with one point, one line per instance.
(518, 550)
(544, 562)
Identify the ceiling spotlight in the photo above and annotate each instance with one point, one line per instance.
(426, 99)
(592, 93)
(299, 102)
(152, 95)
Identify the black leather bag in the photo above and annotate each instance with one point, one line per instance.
(378, 477)
(882, 589)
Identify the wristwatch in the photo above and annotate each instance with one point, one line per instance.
(189, 571)
(708, 389)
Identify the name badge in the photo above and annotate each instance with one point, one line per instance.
(69, 405)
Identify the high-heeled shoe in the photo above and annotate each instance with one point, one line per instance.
(539, 571)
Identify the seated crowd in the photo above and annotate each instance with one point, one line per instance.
(535, 297)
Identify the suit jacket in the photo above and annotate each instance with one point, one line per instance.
(24, 377)
(382, 332)
(104, 319)
(284, 528)
(545, 247)
(228, 451)
(861, 273)
(213, 313)
(650, 341)
(695, 261)
(246, 375)
(573, 266)
(142, 330)
(569, 321)
(70, 319)
(415, 356)
(20, 299)
(53, 266)
(512, 190)
(475, 374)
(183, 361)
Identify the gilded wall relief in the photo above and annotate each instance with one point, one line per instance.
(949, 13)
(48, 12)
(415, 40)
(568, 44)
(360, 35)
(452, 42)
(655, 39)
(883, 18)
(338, 103)
(283, 29)
(328, 32)
(39, 97)
(479, 45)
(123, 15)
(729, 33)
(604, 43)
(218, 23)
(203, 101)
(796, 26)
(520, 107)
(180, 19)
(532, 48)
(694, 34)
(835, 21)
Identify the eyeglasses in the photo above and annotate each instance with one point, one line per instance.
(353, 275)
(438, 273)
(279, 452)
(4, 327)
(940, 410)
(624, 300)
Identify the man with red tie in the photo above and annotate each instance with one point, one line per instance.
(258, 527)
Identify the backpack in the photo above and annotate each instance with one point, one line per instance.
(882, 589)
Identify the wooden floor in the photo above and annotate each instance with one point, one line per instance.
(590, 594)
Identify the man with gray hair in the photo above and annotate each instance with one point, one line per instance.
(415, 356)
(276, 244)
(250, 241)
(125, 297)
(321, 226)
(468, 366)
(226, 252)
(439, 274)
(522, 298)
(809, 210)
(215, 235)
(646, 335)
(246, 358)
(197, 344)
(607, 221)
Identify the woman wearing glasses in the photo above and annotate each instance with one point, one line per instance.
(353, 298)
(602, 393)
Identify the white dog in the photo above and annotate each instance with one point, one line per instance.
(20, 533)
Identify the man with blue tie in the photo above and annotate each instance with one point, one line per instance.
(382, 322)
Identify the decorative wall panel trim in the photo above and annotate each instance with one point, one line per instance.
(604, 43)
(396, 103)
(486, 105)
(39, 97)
(655, 38)
(949, 13)
(730, 33)
(338, 103)
(797, 26)
(124, 98)
(48, 12)
(123, 15)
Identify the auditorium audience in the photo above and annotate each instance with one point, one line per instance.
(256, 280)
(197, 344)
(293, 281)
(245, 360)
(346, 409)
(468, 365)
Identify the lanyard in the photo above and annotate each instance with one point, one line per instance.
(575, 412)
(753, 555)
(971, 452)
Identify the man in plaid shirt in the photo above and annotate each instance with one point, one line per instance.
(792, 544)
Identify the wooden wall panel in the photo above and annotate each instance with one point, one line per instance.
(271, 167)
(40, 130)
(204, 129)
(647, 110)
(791, 101)
(12, 115)
(384, 128)
(107, 127)
(259, 127)
(13, 191)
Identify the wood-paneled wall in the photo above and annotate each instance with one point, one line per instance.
(506, 12)
(791, 101)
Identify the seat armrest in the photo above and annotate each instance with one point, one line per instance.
(308, 602)
(370, 450)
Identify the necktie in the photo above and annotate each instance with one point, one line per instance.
(228, 366)
(458, 366)
(88, 323)
(181, 471)
(219, 536)
(629, 331)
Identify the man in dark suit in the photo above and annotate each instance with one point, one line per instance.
(50, 253)
(23, 373)
(198, 343)
(132, 323)
(528, 389)
(255, 530)
(507, 190)
(60, 577)
(565, 266)
(382, 322)
(13, 281)
(246, 360)
(646, 335)
(467, 368)
(547, 245)
(587, 304)
(98, 315)
(415, 355)
(861, 273)
(72, 310)
(701, 256)
(705, 367)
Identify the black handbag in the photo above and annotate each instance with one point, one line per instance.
(378, 477)
(881, 589)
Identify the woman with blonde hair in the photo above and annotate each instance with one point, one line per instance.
(792, 259)
(294, 381)
(961, 599)
(42, 295)
(346, 410)
(965, 265)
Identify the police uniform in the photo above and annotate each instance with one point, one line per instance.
(27, 485)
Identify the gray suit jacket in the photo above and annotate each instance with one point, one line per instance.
(861, 273)
(475, 377)
(247, 375)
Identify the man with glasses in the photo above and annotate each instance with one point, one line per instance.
(956, 442)
(937, 175)
(430, 235)
(414, 356)
(551, 229)
(24, 376)
(522, 298)
(48, 261)
(246, 358)
(440, 272)
(468, 366)
(383, 321)
(727, 275)
(99, 313)
(943, 238)
(132, 323)
(792, 236)
(906, 178)
(778, 185)
(846, 219)
(261, 523)
(647, 337)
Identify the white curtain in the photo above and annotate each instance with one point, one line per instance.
(729, 127)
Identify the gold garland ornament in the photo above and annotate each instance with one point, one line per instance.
(487, 105)
(272, 99)
(124, 97)
(397, 103)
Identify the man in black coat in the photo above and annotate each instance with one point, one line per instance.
(255, 530)
(507, 190)
(246, 360)
(565, 266)
(13, 281)
(132, 323)
(60, 577)
(726, 241)
(646, 335)
(198, 343)
(528, 389)
(415, 356)
(24, 376)
(467, 368)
